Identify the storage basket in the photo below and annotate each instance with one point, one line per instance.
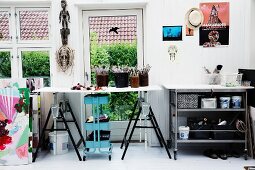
(209, 103)
(223, 135)
(187, 101)
(200, 134)
(231, 80)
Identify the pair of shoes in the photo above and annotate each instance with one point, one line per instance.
(210, 153)
(222, 154)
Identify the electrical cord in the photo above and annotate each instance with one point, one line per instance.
(241, 126)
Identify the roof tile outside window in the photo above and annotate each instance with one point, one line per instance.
(34, 25)
(4, 26)
(102, 25)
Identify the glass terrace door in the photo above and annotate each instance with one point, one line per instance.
(113, 38)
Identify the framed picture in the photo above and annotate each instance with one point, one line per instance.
(172, 33)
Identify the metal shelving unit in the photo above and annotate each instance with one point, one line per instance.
(233, 113)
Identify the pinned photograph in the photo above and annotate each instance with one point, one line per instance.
(189, 31)
(172, 33)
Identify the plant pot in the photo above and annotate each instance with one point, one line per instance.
(144, 79)
(121, 80)
(134, 81)
(102, 80)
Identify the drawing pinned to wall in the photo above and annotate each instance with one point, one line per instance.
(215, 28)
(189, 31)
(14, 126)
(172, 33)
(172, 51)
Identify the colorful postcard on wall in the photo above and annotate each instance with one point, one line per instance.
(215, 28)
(14, 124)
(172, 33)
(189, 31)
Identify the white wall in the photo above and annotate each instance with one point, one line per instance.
(157, 13)
(192, 57)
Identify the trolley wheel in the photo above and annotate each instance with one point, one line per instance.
(84, 158)
(245, 155)
(175, 155)
(110, 157)
(87, 149)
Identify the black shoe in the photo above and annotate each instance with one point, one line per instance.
(211, 154)
(221, 154)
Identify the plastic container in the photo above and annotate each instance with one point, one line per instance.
(236, 102)
(61, 142)
(183, 132)
(213, 79)
(209, 103)
(224, 102)
(231, 80)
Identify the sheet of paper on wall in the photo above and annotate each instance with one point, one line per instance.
(214, 31)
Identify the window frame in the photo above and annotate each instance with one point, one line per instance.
(17, 22)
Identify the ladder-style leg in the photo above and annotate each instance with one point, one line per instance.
(131, 134)
(77, 126)
(70, 134)
(129, 123)
(160, 134)
(42, 136)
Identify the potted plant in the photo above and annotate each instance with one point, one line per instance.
(134, 77)
(102, 76)
(144, 76)
(121, 75)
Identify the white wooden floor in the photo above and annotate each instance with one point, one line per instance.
(137, 158)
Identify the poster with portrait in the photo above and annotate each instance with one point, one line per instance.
(214, 31)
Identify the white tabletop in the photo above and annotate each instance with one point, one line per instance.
(205, 87)
(105, 90)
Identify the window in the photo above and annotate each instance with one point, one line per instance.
(115, 38)
(31, 45)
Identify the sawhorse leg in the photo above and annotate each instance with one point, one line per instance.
(129, 123)
(132, 131)
(70, 134)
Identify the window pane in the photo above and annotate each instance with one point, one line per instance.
(113, 43)
(36, 64)
(5, 63)
(4, 26)
(34, 25)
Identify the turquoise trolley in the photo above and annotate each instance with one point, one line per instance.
(98, 141)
